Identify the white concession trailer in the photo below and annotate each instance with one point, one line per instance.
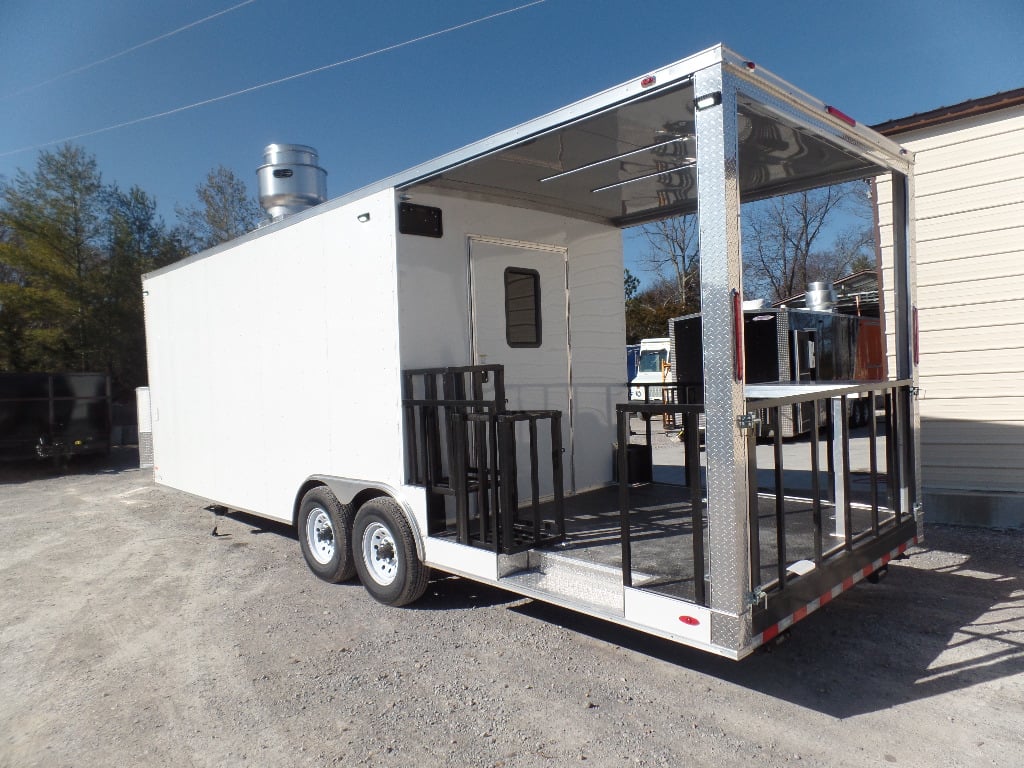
(427, 373)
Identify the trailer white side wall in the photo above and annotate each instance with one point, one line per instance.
(434, 311)
(297, 330)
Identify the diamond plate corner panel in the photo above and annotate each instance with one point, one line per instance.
(718, 184)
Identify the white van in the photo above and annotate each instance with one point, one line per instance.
(652, 368)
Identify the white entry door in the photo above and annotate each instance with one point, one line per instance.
(520, 320)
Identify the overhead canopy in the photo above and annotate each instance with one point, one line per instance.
(636, 161)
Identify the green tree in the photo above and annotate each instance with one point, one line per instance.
(137, 242)
(648, 313)
(72, 251)
(225, 211)
(631, 284)
(53, 222)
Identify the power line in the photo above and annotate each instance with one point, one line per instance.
(286, 79)
(126, 51)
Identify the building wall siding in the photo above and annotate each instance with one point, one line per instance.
(969, 221)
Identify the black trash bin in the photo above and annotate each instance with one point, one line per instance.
(638, 464)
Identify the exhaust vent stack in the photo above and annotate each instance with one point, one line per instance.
(820, 296)
(290, 180)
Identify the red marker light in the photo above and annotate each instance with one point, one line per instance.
(648, 81)
(841, 115)
(737, 330)
(750, 65)
(689, 620)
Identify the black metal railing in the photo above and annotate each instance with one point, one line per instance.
(462, 446)
(859, 514)
(689, 416)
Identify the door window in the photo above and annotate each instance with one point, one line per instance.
(522, 307)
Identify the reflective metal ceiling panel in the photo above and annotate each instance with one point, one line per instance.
(636, 161)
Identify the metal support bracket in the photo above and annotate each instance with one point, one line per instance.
(755, 597)
(747, 421)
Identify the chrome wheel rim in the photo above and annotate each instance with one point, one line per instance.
(380, 554)
(320, 535)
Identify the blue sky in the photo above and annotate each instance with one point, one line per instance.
(874, 60)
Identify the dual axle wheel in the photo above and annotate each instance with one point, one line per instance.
(376, 543)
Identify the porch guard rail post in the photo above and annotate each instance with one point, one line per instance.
(622, 417)
(453, 389)
(692, 458)
(509, 492)
(873, 460)
(839, 469)
(557, 478)
(481, 428)
(780, 492)
(753, 510)
(816, 481)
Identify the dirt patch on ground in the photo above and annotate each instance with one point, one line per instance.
(132, 636)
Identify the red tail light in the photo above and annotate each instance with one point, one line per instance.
(737, 331)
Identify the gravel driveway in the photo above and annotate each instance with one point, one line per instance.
(131, 636)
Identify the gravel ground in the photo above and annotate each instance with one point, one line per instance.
(131, 636)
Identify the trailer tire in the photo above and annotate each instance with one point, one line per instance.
(325, 530)
(384, 551)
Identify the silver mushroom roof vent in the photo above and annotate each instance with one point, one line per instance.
(290, 180)
(820, 296)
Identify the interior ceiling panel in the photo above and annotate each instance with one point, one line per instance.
(637, 162)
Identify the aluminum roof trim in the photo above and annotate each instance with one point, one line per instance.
(670, 77)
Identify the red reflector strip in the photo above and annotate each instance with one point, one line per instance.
(648, 81)
(841, 115)
(689, 620)
(770, 633)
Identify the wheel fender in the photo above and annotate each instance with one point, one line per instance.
(357, 492)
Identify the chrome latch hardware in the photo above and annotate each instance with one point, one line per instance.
(757, 596)
(747, 420)
(915, 392)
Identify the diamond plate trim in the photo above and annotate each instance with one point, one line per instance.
(717, 175)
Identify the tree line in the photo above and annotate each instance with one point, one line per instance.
(73, 250)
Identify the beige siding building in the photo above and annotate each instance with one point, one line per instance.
(969, 222)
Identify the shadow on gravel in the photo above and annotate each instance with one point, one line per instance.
(451, 593)
(258, 525)
(120, 459)
(444, 593)
(923, 631)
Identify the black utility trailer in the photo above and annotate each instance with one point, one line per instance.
(53, 415)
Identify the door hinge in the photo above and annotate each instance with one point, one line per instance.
(747, 421)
